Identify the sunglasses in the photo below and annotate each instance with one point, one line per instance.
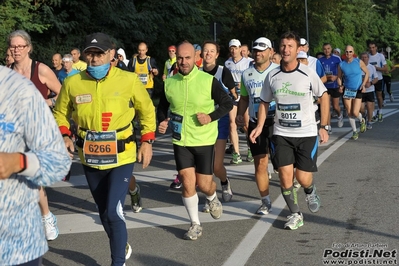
(261, 44)
(348, 52)
(171, 51)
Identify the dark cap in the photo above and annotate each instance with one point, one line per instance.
(98, 40)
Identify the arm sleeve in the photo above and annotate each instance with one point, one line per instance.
(227, 79)
(221, 98)
(163, 106)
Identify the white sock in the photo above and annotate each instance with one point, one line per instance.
(47, 216)
(211, 197)
(360, 117)
(352, 122)
(191, 205)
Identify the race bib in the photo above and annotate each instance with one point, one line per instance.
(143, 78)
(100, 148)
(289, 115)
(176, 121)
(349, 94)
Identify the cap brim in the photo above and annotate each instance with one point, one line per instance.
(260, 48)
(98, 47)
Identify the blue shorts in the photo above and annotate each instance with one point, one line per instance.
(224, 127)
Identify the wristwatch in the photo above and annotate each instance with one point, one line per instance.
(325, 127)
(150, 141)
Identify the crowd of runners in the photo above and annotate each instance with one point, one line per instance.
(285, 102)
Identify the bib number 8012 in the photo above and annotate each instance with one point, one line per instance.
(289, 116)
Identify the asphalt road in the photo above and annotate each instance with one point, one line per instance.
(357, 182)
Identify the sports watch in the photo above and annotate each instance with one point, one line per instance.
(325, 127)
(150, 141)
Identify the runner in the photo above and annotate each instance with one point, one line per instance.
(237, 64)
(46, 82)
(368, 96)
(32, 154)
(294, 143)
(194, 131)
(251, 87)
(210, 53)
(352, 83)
(106, 145)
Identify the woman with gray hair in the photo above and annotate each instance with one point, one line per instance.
(20, 45)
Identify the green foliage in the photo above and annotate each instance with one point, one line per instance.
(59, 25)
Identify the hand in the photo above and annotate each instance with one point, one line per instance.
(240, 121)
(69, 145)
(9, 164)
(323, 134)
(203, 118)
(145, 154)
(163, 126)
(254, 134)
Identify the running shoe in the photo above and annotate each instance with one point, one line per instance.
(362, 125)
(206, 207)
(227, 193)
(193, 232)
(313, 201)
(369, 126)
(135, 200)
(265, 208)
(380, 118)
(374, 118)
(50, 227)
(176, 184)
(391, 98)
(128, 251)
(236, 158)
(295, 221)
(215, 208)
(341, 121)
(355, 135)
(249, 156)
(270, 175)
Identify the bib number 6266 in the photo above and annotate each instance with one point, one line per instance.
(98, 148)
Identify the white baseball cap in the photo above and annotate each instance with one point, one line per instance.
(234, 42)
(262, 44)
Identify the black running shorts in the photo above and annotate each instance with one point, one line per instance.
(301, 152)
(201, 158)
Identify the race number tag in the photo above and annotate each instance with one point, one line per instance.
(176, 121)
(350, 94)
(143, 78)
(100, 148)
(289, 115)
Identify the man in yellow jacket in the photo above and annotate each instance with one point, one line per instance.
(103, 101)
